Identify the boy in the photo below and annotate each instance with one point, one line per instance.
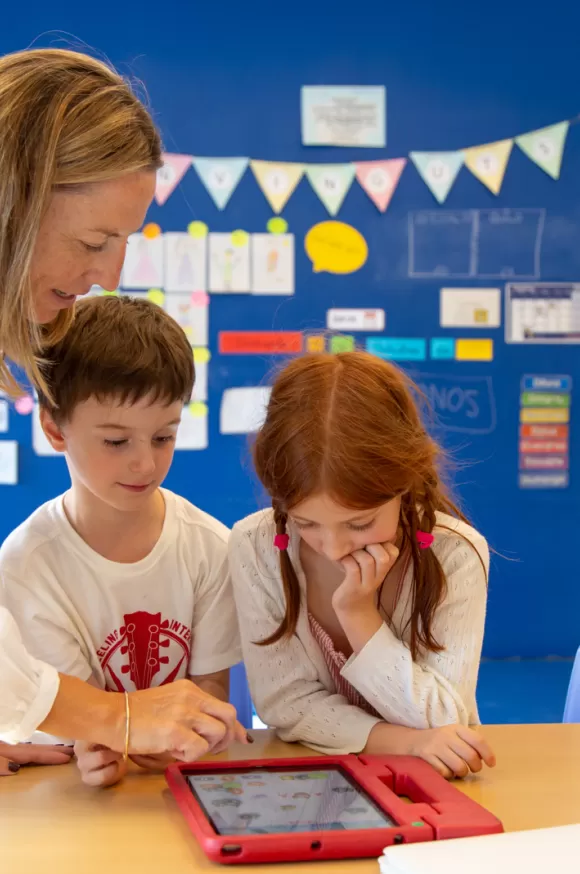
(119, 581)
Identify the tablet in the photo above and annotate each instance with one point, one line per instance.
(282, 810)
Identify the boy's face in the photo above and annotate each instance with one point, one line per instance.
(118, 452)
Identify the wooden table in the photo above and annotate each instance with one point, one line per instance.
(50, 822)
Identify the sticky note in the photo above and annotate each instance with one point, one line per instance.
(334, 247)
(316, 344)
(260, 342)
(474, 350)
(397, 348)
(549, 414)
(342, 343)
(442, 348)
(201, 355)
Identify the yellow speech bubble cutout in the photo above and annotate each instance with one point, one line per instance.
(198, 230)
(334, 247)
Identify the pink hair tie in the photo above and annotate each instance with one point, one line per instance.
(424, 540)
(281, 541)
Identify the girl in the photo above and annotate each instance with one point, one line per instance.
(361, 594)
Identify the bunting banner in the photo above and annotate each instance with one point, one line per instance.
(221, 176)
(379, 179)
(488, 163)
(331, 182)
(438, 170)
(170, 175)
(277, 181)
(545, 147)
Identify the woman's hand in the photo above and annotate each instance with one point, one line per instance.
(12, 757)
(453, 750)
(99, 766)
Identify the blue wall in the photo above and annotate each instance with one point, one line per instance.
(226, 81)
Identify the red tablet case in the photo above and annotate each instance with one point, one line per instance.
(438, 810)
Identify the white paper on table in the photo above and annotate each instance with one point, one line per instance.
(8, 462)
(200, 388)
(4, 416)
(192, 432)
(470, 307)
(193, 319)
(185, 262)
(355, 320)
(143, 267)
(273, 263)
(40, 442)
(229, 265)
(243, 410)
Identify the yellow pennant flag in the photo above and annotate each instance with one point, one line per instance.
(488, 163)
(277, 181)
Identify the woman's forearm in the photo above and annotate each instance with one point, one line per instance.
(83, 712)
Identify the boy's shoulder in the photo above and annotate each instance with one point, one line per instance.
(192, 521)
(38, 532)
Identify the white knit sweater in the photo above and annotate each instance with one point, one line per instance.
(290, 683)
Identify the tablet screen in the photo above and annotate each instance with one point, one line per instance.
(264, 802)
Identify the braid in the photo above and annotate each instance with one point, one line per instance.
(290, 583)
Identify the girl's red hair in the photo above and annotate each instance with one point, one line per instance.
(348, 425)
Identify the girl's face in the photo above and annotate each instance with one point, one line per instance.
(335, 531)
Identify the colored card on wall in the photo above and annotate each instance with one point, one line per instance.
(260, 342)
(549, 415)
(547, 382)
(331, 183)
(473, 350)
(277, 181)
(229, 264)
(341, 115)
(243, 409)
(379, 179)
(438, 170)
(355, 320)
(193, 319)
(170, 175)
(272, 263)
(548, 447)
(144, 262)
(442, 348)
(488, 163)
(342, 343)
(470, 307)
(543, 480)
(545, 147)
(8, 462)
(544, 399)
(185, 262)
(316, 344)
(544, 432)
(543, 461)
(4, 416)
(221, 176)
(398, 348)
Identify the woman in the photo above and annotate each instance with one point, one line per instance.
(78, 161)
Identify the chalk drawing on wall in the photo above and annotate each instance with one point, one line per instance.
(463, 404)
(475, 243)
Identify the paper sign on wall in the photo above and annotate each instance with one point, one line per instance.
(8, 462)
(334, 247)
(192, 431)
(272, 263)
(277, 181)
(542, 312)
(229, 264)
(470, 307)
(4, 416)
(144, 262)
(221, 176)
(379, 179)
(243, 410)
(260, 342)
(344, 115)
(40, 442)
(193, 319)
(170, 175)
(473, 350)
(438, 170)
(355, 320)
(544, 457)
(398, 348)
(185, 262)
(488, 163)
(331, 183)
(200, 388)
(546, 146)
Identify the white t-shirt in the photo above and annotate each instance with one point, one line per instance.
(291, 685)
(129, 626)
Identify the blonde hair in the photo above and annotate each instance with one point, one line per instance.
(66, 119)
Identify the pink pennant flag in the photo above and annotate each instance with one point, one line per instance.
(170, 175)
(379, 179)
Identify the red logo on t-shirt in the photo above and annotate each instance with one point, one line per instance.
(146, 651)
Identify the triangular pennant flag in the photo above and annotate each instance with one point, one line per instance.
(170, 175)
(545, 147)
(438, 170)
(277, 181)
(331, 182)
(488, 163)
(220, 176)
(379, 179)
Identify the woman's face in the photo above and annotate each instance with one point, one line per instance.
(82, 240)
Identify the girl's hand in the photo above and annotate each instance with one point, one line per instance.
(453, 750)
(364, 571)
(99, 766)
(13, 756)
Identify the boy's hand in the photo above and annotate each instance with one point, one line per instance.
(453, 750)
(99, 766)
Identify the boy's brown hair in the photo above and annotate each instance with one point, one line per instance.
(122, 347)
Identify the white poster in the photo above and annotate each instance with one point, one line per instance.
(273, 263)
(355, 320)
(143, 267)
(229, 265)
(191, 317)
(243, 410)
(192, 432)
(8, 462)
(200, 387)
(4, 416)
(185, 262)
(542, 312)
(470, 307)
(341, 115)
